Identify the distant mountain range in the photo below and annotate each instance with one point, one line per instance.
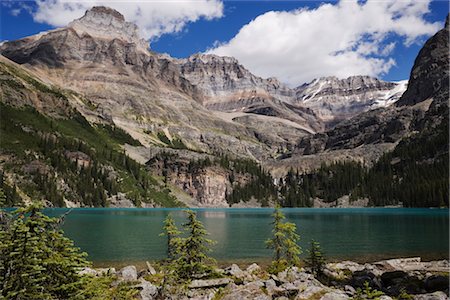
(97, 73)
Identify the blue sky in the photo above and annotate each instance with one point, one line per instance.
(217, 24)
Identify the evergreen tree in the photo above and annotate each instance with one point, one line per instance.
(36, 260)
(315, 260)
(2, 198)
(284, 242)
(193, 261)
(172, 233)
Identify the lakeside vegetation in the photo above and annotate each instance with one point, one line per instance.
(56, 269)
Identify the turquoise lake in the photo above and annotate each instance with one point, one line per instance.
(125, 235)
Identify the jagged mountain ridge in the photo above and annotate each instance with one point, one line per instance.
(367, 136)
(148, 95)
(102, 56)
(334, 99)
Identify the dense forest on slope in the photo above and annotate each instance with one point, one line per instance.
(414, 174)
(56, 159)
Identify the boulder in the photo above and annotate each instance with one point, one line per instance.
(147, 291)
(209, 283)
(88, 271)
(150, 268)
(106, 271)
(253, 268)
(393, 277)
(359, 278)
(335, 295)
(431, 296)
(251, 291)
(349, 290)
(128, 273)
(234, 270)
(436, 283)
(309, 292)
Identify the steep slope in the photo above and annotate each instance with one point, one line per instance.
(229, 88)
(430, 74)
(140, 91)
(49, 151)
(414, 173)
(334, 99)
(101, 57)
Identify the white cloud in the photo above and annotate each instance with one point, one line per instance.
(154, 17)
(343, 39)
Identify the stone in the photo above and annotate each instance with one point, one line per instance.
(106, 271)
(393, 277)
(384, 297)
(150, 268)
(309, 292)
(437, 283)
(128, 273)
(245, 292)
(432, 296)
(147, 291)
(253, 268)
(349, 290)
(88, 271)
(209, 283)
(234, 270)
(334, 296)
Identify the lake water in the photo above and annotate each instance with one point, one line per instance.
(130, 235)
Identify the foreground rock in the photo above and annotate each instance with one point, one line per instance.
(342, 280)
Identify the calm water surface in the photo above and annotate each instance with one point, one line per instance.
(120, 235)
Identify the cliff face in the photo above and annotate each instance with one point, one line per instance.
(423, 109)
(430, 73)
(334, 99)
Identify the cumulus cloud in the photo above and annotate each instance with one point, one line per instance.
(154, 17)
(342, 39)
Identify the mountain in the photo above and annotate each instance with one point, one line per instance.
(334, 99)
(91, 100)
(401, 152)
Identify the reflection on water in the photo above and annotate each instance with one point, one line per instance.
(133, 234)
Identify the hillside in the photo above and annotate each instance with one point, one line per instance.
(91, 117)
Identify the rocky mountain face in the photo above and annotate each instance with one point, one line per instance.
(430, 74)
(98, 69)
(334, 99)
(367, 136)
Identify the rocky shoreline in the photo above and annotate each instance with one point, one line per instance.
(404, 278)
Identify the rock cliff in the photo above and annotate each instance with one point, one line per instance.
(430, 73)
(334, 99)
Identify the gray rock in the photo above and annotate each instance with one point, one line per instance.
(88, 271)
(385, 297)
(234, 270)
(251, 291)
(334, 296)
(128, 273)
(309, 292)
(432, 296)
(147, 290)
(106, 271)
(253, 268)
(349, 290)
(209, 283)
(150, 268)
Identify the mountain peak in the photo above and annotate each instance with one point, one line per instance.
(107, 23)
